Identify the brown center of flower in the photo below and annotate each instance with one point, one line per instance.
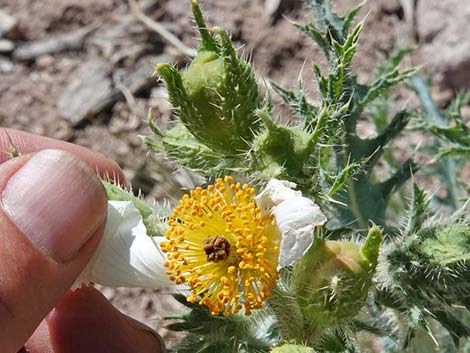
(216, 248)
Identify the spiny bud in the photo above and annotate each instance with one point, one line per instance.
(280, 151)
(448, 246)
(292, 348)
(333, 278)
(445, 254)
(217, 95)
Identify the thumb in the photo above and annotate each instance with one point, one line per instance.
(53, 210)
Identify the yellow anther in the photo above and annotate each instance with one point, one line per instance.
(225, 210)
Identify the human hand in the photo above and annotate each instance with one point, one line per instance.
(52, 215)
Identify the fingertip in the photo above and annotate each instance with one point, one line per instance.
(27, 143)
(84, 321)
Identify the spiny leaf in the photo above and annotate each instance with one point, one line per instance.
(343, 176)
(418, 212)
(207, 42)
(390, 63)
(317, 35)
(298, 103)
(400, 176)
(382, 84)
(181, 145)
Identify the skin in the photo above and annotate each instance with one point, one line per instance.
(38, 313)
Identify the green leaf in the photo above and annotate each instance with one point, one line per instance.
(317, 35)
(299, 104)
(207, 42)
(418, 212)
(339, 181)
(382, 84)
(179, 144)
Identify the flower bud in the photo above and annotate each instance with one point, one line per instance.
(280, 151)
(292, 348)
(332, 280)
(448, 246)
(444, 254)
(217, 95)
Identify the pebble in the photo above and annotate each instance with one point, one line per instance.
(6, 65)
(7, 24)
(6, 46)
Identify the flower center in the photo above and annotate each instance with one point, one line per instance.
(216, 248)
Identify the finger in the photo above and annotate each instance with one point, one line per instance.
(27, 143)
(84, 321)
(52, 214)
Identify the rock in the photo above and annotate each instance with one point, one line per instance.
(92, 89)
(140, 76)
(89, 91)
(7, 24)
(44, 61)
(6, 46)
(6, 65)
(443, 29)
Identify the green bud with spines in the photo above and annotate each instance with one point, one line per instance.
(280, 151)
(217, 95)
(448, 253)
(332, 280)
(292, 348)
(450, 246)
(435, 258)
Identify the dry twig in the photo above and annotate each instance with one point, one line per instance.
(67, 41)
(157, 27)
(128, 96)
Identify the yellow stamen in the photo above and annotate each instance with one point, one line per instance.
(221, 245)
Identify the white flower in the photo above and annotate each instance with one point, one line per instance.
(296, 217)
(126, 255)
(276, 192)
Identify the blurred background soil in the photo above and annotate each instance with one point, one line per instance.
(81, 71)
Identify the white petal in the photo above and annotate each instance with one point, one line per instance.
(126, 255)
(296, 218)
(276, 192)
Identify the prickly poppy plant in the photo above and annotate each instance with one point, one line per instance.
(294, 244)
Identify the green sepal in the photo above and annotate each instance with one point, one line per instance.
(154, 217)
(371, 247)
(333, 279)
(281, 152)
(179, 144)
